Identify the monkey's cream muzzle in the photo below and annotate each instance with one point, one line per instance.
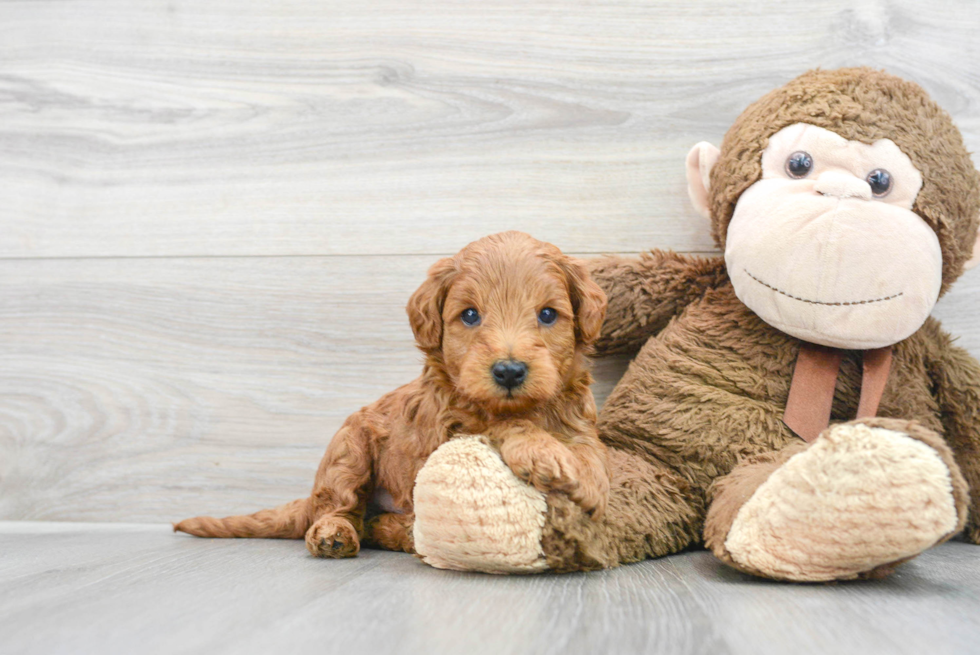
(823, 259)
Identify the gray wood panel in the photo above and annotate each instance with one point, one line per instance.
(94, 589)
(161, 127)
(150, 389)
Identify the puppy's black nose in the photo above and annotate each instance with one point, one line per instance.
(509, 374)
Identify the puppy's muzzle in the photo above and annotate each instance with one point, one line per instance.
(509, 374)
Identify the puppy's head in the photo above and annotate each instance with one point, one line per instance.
(509, 319)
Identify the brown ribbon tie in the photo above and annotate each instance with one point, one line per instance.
(811, 394)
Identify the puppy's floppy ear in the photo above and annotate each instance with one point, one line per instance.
(425, 306)
(588, 300)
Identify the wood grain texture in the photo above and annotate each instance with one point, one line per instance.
(213, 213)
(153, 389)
(142, 589)
(161, 127)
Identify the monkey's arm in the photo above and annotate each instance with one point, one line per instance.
(956, 376)
(644, 293)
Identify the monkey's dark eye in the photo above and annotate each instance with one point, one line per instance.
(547, 316)
(880, 181)
(470, 317)
(799, 164)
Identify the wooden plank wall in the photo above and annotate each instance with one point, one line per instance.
(212, 213)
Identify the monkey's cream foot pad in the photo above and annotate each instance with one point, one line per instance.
(473, 513)
(858, 498)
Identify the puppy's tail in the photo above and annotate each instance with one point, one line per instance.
(289, 521)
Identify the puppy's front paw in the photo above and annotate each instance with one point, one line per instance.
(546, 464)
(592, 494)
(332, 536)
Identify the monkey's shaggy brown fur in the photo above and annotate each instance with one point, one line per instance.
(699, 412)
(544, 428)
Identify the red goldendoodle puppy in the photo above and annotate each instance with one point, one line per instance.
(506, 327)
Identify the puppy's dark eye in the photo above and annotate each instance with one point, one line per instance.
(880, 181)
(799, 164)
(547, 316)
(470, 317)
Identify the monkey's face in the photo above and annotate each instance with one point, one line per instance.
(826, 247)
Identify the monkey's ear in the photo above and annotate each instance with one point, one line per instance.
(588, 300)
(700, 161)
(975, 259)
(425, 306)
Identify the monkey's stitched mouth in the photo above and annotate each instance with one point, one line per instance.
(818, 302)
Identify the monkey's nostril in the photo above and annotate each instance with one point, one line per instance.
(509, 374)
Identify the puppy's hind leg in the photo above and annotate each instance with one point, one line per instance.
(341, 490)
(391, 531)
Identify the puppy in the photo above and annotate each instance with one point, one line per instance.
(506, 326)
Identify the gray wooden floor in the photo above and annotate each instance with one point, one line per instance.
(125, 588)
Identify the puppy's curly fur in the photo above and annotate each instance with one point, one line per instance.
(544, 428)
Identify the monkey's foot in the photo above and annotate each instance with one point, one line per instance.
(864, 497)
(473, 514)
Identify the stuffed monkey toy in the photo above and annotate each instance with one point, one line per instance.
(791, 405)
